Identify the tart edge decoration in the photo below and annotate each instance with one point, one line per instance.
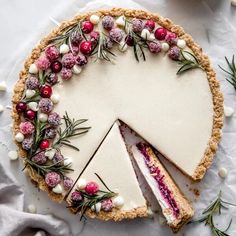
(201, 61)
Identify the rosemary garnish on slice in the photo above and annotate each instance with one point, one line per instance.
(187, 62)
(44, 169)
(91, 200)
(231, 71)
(215, 207)
(72, 129)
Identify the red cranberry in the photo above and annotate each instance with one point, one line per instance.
(44, 144)
(150, 25)
(56, 66)
(30, 114)
(21, 107)
(87, 27)
(46, 91)
(129, 40)
(91, 188)
(86, 47)
(94, 36)
(160, 33)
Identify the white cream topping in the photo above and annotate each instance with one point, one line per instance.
(81, 183)
(94, 19)
(43, 117)
(29, 93)
(33, 69)
(139, 159)
(112, 163)
(171, 112)
(33, 105)
(58, 189)
(19, 137)
(64, 48)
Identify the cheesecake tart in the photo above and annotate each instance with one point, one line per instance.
(110, 65)
(175, 207)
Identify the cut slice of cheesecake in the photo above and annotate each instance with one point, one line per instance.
(175, 207)
(111, 171)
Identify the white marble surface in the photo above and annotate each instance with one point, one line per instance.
(213, 25)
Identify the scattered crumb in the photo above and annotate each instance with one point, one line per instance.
(196, 192)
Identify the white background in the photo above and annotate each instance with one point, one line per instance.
(212, 23)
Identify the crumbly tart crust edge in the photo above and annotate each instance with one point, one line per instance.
(203, 60)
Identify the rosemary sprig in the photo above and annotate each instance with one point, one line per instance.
(92, 200)
(139, 43)
(208, 214)
(72, 129)
(187, 62)
(231, 71)
(44, 169)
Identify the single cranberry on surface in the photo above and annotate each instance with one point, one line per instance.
(46, 91)
(77, 197)
(56, 66)
(52, 179)
(160, 33)
(91, 188)
(86, 47)
(150, 25)
(30, 114)
(52, 53)
(44, 144)
(129, 40)
(21, 107)
(87, 27)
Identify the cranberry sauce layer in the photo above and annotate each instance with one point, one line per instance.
(159, 178)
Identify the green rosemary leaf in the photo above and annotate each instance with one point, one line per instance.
(231, 71)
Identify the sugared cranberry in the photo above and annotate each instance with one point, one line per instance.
(91, 188)
(27, 143)
(108, 22)
(42, 63)
(76, 197)
(40, 158)
(160, 33)
(52, 53)
(44, 144)
(52, 78)
(74, 49)
(56, 66)
(26, 127)
(58, 159)
(137, 25)
(171, 38)
(116, 35)
(86, 47)
(30, 114)
(68, 60)
(76, 38)
(154, 47)
(68, 182)
(66, 74)
(32, 82)
(46, 91)
(81, 60)
(108, 43)
(87, 27)
(150, 25)
(52, 179)
(50, 133)
(54, 119)
(129, 40)
(94, 36)
(45, 105)
(106, 205)
(21, 107)
(174, 53)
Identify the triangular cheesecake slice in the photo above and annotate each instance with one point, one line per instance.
(109, 181)
(175, 207)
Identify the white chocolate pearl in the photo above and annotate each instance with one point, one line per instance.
(94, 19)
(228, 111)
(81, 183)
(32, 208)
(50, 153)
(43, 117)
(33, 69)
(165, 47)
(40, 233)
(3, 86)
(76, 69)
(123, 47)
(151, 37)
(222, 172)
(145, 34)
(118, 201)
(1, 108)
(67, 161)
(19, 137)
(233, 3)
(55, 98)
(96, 207)
(33, 106)
(181, 43)
(30, 93)
(13, 155)
(58, 189)
(64, 48)
(120, 21)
